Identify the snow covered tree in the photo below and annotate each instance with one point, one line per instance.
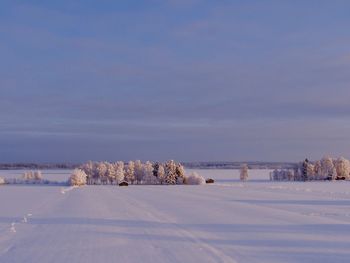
(328, 170)
(304, 170)
(88, 168)
(155, 169)
(244, 172)
(310, 171)
(161, 174)
(130, 172)
(111, 172)
(317, 170)
(2, 181)
(138, 171)
(170, 172)
(180, 173)
(194, 178)
(78, 177)
(148, 176)
(38, 176)
(101, 170)
(342, 166)
(33, 177)
(119, 171)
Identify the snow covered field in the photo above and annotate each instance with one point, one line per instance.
(230, 221)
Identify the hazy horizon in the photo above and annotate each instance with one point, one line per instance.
(186, 80)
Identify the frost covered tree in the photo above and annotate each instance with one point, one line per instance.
(304, 170)
(148, 176)
(101, 170)
(38, 176)
(342, 167)
(180, 173)
(88, 168)
(34, 177)
(328, 170)
(138, 171)
(130, 172)
(310, 171)
(317, 170)
(111, 173)
(244, 172)
(78, 177)
(170, 172)
(2, 181)
(194, 178)
(161, 174)
(119, 172)
(155, 169)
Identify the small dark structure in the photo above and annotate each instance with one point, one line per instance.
(209, 181)
(123, 184)
(340, 178)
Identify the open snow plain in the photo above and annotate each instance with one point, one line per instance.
(229, 221)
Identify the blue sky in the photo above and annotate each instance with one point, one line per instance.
(187, 80)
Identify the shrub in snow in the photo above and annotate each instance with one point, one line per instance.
(78, 177)
(2, 181)
(244, 173)
(194, 178)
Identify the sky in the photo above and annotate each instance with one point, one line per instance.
(190, 80)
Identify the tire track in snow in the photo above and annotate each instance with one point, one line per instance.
(216, 254)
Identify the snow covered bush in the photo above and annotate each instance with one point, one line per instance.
(78, 177)
(2, 181)
(244, 173)
(194, 178)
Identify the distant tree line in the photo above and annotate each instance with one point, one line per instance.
(325, 169)
(37, 166)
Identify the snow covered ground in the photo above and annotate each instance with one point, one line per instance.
(230, 221)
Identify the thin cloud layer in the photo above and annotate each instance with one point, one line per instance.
(189, 80)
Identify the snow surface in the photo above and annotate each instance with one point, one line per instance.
(229, 221)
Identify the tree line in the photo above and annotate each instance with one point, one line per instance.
(327, 168)
(134, 172)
